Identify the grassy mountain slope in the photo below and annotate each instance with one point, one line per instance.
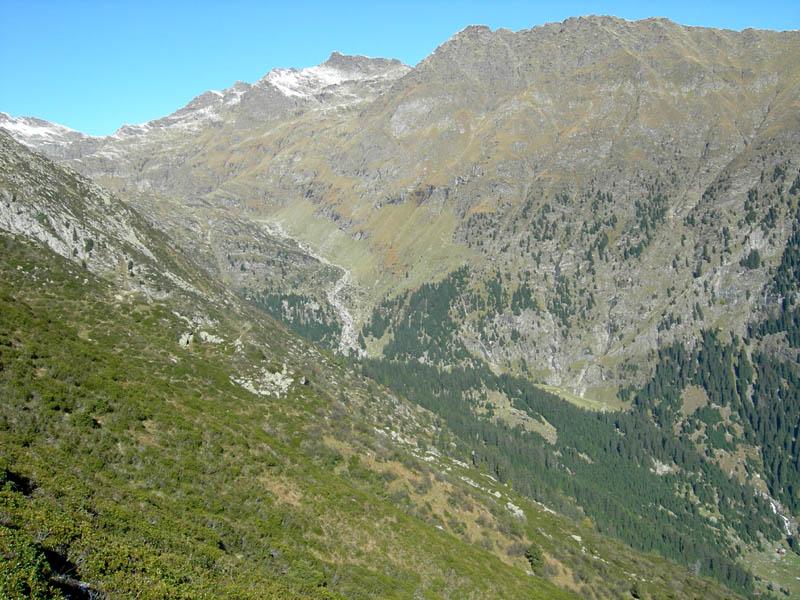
(599, 208)
(238, 461)
(152, 473)
(142, 464)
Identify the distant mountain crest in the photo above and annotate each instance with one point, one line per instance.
(44, 136)
(338, 69)
(498, 146)
(31, 127)
(213, 106)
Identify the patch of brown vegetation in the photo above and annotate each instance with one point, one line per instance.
(564, 577)
(692, 398)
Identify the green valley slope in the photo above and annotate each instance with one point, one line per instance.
(603, 209)
(182, 444)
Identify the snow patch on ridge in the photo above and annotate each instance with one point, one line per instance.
(306, 82)
(338, 69)
(31, 131)
(213, 106)
(199, 112)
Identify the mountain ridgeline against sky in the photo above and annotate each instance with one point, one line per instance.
(565, 260)
(548, 158)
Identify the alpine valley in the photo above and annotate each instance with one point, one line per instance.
(520, 321)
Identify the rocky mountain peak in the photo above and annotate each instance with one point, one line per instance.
(356, 64)
(51, 138)
(33, 131)
(472, 31)
(338, 69)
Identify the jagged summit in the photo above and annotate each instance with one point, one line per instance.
(338, 69)
(42, 135)
(278, 91)
(213, 106)
(32, 127)
(358, 62)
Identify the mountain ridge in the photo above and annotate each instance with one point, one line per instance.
(424, 137)
(406, 134)
(599, 208)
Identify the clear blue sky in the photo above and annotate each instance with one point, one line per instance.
(95, 65)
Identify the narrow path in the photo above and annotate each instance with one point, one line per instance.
(348, 343)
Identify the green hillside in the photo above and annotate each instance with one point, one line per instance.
(186, 445)
(520, 321)
(137, 468)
